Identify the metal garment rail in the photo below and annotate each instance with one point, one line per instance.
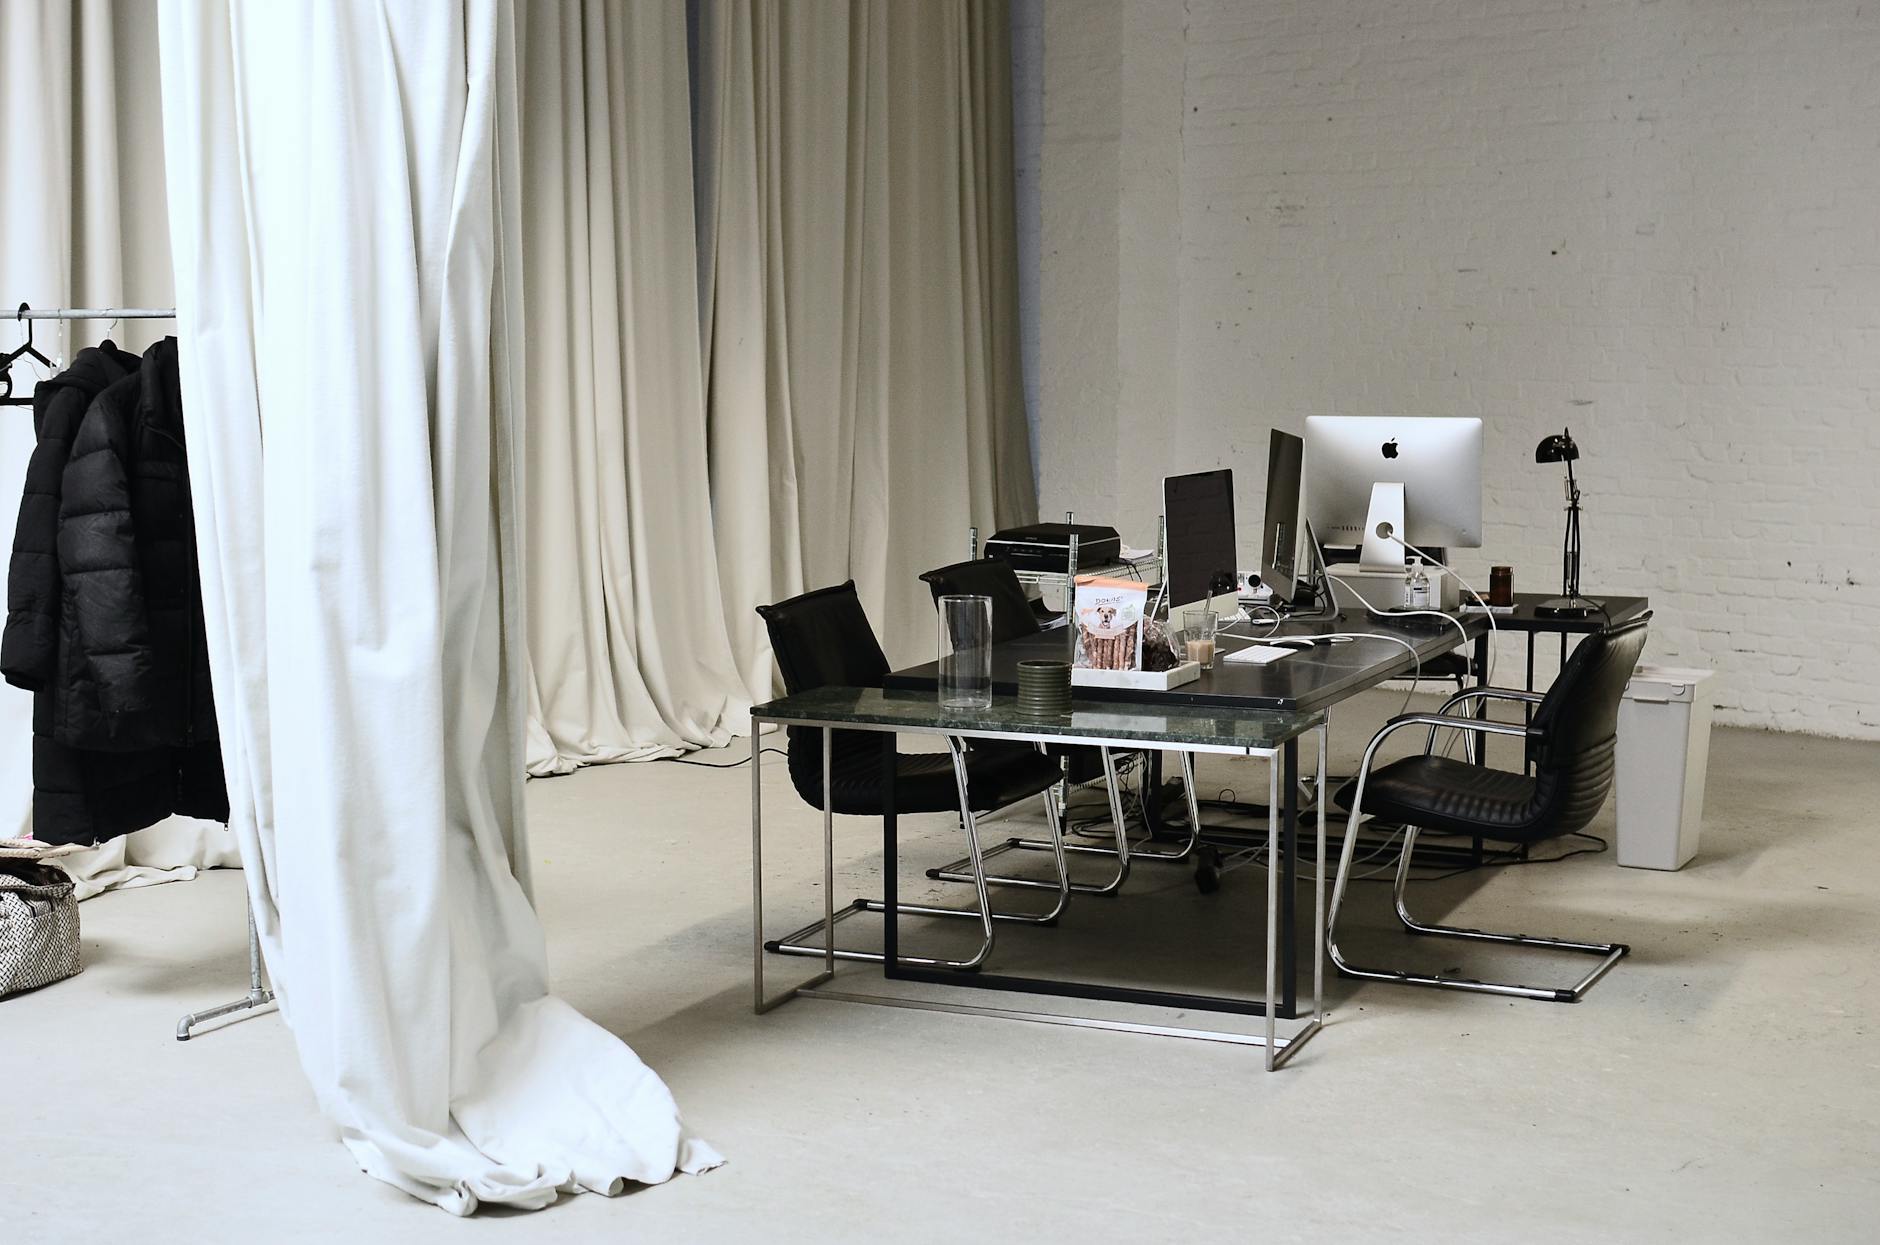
(259, 995)
(95, 313)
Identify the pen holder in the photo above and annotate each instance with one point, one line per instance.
(1044, 688)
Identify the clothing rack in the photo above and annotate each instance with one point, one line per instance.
(259, 995)
(26, 312)
(96, 313)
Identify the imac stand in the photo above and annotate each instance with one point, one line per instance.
(1387, 507)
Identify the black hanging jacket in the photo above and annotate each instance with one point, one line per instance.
(29, 650)
(124, 722)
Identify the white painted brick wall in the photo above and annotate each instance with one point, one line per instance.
(1656, 222)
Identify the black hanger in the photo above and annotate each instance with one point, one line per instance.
(11, 357)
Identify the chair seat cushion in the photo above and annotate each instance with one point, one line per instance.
(923, 782)
(1454, 797)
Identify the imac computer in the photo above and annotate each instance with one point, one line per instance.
(1421, 477)
(1279, 537)
(1202, 553)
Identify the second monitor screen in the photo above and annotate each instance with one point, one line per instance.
(1201, 547)
(1279, 535)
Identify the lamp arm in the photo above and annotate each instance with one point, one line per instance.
(1573, 535)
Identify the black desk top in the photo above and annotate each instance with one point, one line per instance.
(1618, 610)
(1307, 681)
(1216, 728)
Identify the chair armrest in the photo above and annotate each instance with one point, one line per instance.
(1491, 693)
(1436, 721)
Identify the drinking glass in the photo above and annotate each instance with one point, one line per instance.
(1198, 628)
(966, 652)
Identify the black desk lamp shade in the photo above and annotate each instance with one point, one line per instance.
(1560, 448)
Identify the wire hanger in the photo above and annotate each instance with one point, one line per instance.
(7, 360)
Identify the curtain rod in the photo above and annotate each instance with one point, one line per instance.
(97, 313)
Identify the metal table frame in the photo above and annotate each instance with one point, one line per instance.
(1279, 1049)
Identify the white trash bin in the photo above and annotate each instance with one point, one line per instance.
(1664, 749)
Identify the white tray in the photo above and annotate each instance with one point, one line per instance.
(1137, 680)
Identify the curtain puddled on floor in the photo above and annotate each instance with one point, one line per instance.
(344, 218)
(630, 657)
(858, 298)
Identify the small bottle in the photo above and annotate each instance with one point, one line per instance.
(1416, 587)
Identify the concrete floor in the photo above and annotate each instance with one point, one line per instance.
(1722, 1084)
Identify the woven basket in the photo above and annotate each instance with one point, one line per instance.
(38, 919)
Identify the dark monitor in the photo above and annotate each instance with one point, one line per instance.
(1202, 553)
(1279, 535)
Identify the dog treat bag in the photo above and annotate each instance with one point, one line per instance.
(1109, 622)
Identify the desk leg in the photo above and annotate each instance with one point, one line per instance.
(829, 858)
(1318, 879)
(1289, 881)
(1481, 680)
(890, 859)
(760, 1002)
(1272, 907)
(757, 871)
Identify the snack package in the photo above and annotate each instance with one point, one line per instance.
(1109, 622)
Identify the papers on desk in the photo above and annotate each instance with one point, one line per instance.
(1258, 654)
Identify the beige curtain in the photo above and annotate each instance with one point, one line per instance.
(627, 644)
(858, 300)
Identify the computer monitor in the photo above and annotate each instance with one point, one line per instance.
(1279, 536)
(1421, 476)
(1202, 553)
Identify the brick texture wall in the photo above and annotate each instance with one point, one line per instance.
(1657, 223)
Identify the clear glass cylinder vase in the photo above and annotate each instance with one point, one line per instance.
(966, 652)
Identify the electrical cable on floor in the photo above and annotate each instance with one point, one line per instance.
(779, 752)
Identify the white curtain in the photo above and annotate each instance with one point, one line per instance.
(858, 300)
(629, 655)
(82, 223)
(343, 187)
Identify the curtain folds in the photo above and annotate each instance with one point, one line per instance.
(344, 215)
(857, 301)
(627, 642)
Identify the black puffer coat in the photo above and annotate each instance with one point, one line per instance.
(124, 722)
(29, 651)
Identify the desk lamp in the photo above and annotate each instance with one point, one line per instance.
(1561, 449)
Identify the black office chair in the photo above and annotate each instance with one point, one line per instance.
(1570, 744)
(1013, 618)
(822, 639)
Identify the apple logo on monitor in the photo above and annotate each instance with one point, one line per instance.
(1390, 448)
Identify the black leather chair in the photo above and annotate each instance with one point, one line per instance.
(823, 639)
(1570, 743)
(1013, 618)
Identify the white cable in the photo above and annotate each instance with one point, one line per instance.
(1416, 678)
(1271, 627)
(1494, 632)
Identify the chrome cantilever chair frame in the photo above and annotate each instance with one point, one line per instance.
(1125, 853)
(794, 943)
(1610, 953)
